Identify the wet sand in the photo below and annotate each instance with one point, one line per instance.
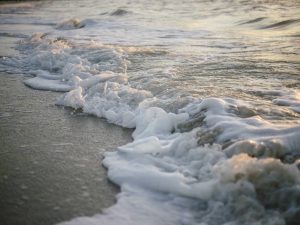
(50, 158)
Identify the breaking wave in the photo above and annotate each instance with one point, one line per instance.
(210, 161)
(193, 159)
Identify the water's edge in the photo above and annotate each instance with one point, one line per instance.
(49, 171)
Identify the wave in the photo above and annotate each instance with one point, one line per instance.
(289, 98)
(253, 21)
(194, 156)
(13, 35)
(16, 8)
(74, 24)
(281, 24)
(209, 160)
(28, 22)
(119, 12)
(192, 160)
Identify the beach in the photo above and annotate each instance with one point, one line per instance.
(193, 108)
(50, 172)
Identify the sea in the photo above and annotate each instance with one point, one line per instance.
(210, 87)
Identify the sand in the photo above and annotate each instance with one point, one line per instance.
(50, 157)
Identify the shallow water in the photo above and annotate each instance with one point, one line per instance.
(211, 88)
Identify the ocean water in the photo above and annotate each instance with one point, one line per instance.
(210, 87)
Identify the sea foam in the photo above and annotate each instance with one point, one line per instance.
(211, 161)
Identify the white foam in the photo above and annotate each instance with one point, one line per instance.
(46, 75)
(290, 99)
(252, 135)
(46, 84)
(284, 97)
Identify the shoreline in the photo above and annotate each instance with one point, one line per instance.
(51, 158)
